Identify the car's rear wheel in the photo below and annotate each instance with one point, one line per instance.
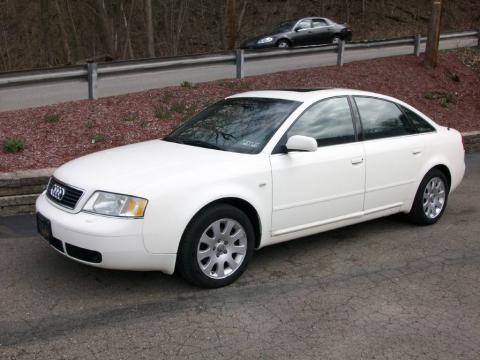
(336, 39)
(283, 44)
(431, 198)
(216, 247)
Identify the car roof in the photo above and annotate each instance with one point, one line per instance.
(309, 95)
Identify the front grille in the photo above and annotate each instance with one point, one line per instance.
(63, 194)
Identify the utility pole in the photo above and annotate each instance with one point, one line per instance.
(232, 28)
(433, 36)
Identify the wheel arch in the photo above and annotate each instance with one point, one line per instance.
(284, 39)
(246, 207)
(440, 165)
(445, 170)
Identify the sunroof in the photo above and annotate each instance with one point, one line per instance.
(305, 89)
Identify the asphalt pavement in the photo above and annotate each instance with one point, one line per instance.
(385, 289)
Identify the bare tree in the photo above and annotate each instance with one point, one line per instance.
(105, 29)
(149, 28)
(65, 41)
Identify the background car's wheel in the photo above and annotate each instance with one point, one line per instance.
(283, 44)
(216, 246)
(431, 198)
(336, 39)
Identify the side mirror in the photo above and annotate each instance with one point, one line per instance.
(301, 143)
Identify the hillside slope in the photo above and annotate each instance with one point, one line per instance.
(58, 32)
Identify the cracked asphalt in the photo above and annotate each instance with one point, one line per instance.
(385, 289)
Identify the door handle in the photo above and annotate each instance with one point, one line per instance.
(356, 161)
(416, 152)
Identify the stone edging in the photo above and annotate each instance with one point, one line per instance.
(18, 190)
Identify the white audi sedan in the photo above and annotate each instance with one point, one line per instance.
(255, 169)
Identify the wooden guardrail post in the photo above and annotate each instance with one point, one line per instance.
(340, 52)
(417, 45)
(240, 63)
(92, 80)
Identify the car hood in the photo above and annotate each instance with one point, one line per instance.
(136, 168)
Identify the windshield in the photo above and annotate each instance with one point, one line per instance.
(242, 125)
(284, 27)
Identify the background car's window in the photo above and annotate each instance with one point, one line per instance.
(381, 118)
(329, 122)
(304, 24)
(239, 124)
(318, 23)
(285, 26)
(420, 124)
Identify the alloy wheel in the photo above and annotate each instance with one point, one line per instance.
(434, 198)
(222, 248)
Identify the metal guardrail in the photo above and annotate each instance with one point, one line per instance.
(92, 71)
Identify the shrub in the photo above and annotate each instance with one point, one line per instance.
(98, 138)
(187, 84)
(13, 146)
(167, 96)
(179, 107)
(52, 118)
(131, 117)
(161, 112)
(444, 98)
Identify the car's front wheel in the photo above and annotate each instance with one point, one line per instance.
(283, 44)
(431, 198)
(216, 247)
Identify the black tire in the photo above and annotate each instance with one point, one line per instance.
(283, 44)
(417, 214)
(336, 39)
(187, 263)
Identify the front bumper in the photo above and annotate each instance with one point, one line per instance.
(118, 241)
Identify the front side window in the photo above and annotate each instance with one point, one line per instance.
(420, 125)
(284, 27)
(381, 118)
(329, 122)
(304, 24)
(242, 125)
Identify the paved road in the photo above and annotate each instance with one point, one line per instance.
(380, 290)
(32, 95)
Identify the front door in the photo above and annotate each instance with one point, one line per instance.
(302, 33)
(313, 189)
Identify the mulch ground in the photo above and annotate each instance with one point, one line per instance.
(450, 94)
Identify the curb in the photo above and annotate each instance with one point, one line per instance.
(20, 189)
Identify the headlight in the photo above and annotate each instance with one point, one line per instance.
(265, 40)
(110, 204)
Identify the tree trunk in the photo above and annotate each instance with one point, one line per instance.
(232, 28)
(44, 16)
(103, 22)
(65, 42)
(149, 28)
(433, 37)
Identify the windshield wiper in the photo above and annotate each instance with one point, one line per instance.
(198, 143)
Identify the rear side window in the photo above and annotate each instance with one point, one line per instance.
(381, 118)
(329, 122)
(419, 124)
(319, 23)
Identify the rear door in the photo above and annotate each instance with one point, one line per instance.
(321, 32)
(394, 154)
